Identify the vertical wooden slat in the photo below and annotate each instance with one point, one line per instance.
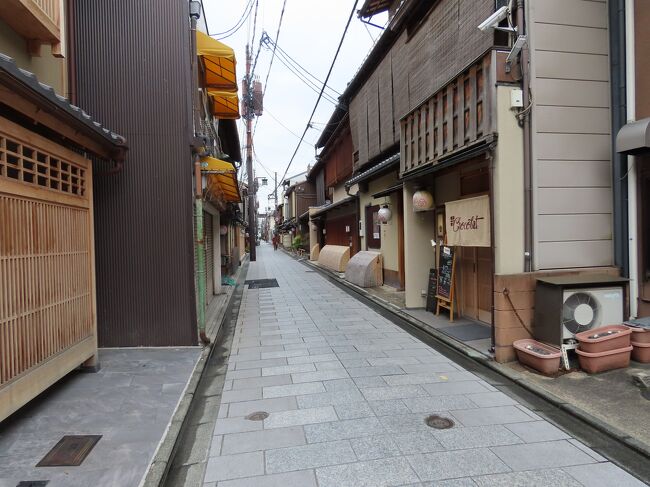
(46, 261)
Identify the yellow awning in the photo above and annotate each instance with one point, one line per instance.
(224, 105)
(222, 179)
(218, 62)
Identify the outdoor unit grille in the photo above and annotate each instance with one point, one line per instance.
(567, 305)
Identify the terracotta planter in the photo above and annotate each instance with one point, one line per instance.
(640, 335)
(604, 339)
(538, 356)
(641, 352)
(602, 361)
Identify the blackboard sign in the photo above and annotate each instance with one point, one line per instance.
(431, 290)
(445, 272)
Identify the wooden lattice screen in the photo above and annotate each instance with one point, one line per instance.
(47, 296)
(453, 118)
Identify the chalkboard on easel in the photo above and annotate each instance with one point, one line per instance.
(432, 289)
(445, 284)
(445, 272)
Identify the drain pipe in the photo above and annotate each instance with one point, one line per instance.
(528, 182)
(199, 244)
(630, 82)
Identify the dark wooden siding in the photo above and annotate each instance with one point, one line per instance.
(338, 159)
(320, 188)
(133, 73)
(414, 69)
(305, 197)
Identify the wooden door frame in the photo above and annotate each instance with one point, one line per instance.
(400, 241)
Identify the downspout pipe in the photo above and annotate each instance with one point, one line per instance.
(528, 178)
(199, 243)
(629, 85)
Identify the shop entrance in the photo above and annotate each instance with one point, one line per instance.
(475, 272)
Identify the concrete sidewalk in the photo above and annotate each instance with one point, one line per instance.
(347, 393)
(130, 402)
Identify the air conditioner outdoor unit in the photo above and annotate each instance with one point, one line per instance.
(567, 305)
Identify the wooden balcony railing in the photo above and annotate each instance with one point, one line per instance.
(38, 21)
(456, 116)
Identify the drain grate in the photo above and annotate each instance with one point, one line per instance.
(33, 483)
(262, 283)
(70, 451)
(439, 422)
(257, 416)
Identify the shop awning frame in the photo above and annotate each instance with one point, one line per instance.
(225, 105)
(221, 179)
(219, 63)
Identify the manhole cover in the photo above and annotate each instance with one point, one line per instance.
(257, 416)
(33, 483)
(261, 283)
(70, 451)
(439, 422)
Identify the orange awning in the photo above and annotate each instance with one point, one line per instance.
(218, 63)
(224, 105)
(221, 179)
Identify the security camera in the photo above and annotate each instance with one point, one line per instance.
(492, 22)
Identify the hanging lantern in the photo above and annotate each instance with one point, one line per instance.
(422, 200)
(384, 214)
(223, 230)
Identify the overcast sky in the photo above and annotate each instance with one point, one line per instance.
(310, 33)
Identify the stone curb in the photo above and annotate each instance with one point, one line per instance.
(469, 352)
(161, 462)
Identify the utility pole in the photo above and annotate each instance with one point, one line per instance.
(275, 190)
(252, 218)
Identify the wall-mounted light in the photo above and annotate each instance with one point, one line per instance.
(384, 214)
(195, 10)
(223, 229)
(422, 200)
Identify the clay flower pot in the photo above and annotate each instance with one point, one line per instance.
(640, 335)
(605, 338)
(641, 352)
(602, 361)
(538, 356)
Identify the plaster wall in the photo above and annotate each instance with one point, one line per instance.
(49, 69)
(419, 255)
(389, 235)
(508, 191)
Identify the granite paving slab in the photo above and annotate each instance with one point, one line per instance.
(354, 394)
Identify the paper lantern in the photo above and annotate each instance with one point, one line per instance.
(223, 229)
(422, 200)
(384, 214)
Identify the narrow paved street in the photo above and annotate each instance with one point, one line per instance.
(347, 393)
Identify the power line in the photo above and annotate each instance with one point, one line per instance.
(282, 54)
(254, 22)
(338, 49)
(312, 86)
(275, 43)
(242, 20)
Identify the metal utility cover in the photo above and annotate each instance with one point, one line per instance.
(33, 483)
(262, 283)
(70, 451)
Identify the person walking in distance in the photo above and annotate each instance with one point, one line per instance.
(275, 242)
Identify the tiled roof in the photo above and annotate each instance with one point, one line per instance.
(9, 68)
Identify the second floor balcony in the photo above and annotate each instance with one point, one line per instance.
(37, 21)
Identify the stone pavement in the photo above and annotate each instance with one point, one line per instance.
(130, 401)
(347, 393)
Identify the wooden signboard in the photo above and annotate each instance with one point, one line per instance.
(432, 289)
(446, 282)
